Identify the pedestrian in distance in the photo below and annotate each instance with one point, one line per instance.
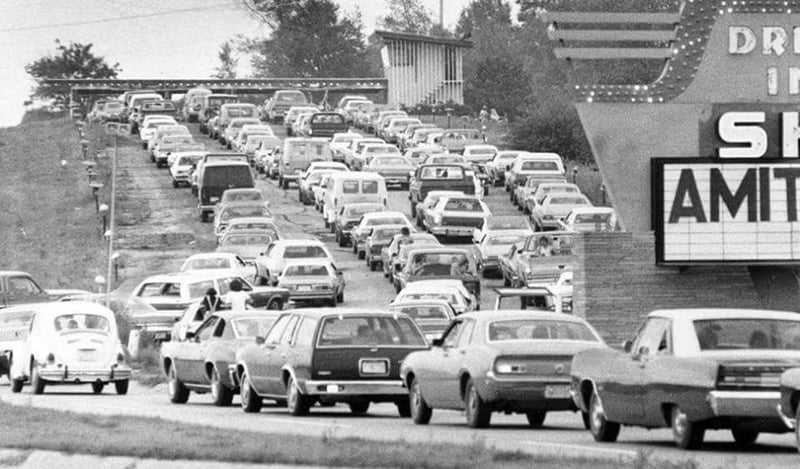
(237, 298)
(210, 303)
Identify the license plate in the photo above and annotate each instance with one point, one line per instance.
(332, 388)
(303, 288)
(86, 356)
(374, 367)
(557, 391)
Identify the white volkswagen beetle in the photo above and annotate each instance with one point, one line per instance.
(70, 343)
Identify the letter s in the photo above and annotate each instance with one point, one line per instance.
(731, 130)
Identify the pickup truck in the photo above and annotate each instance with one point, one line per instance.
(438, 177)
(19, 288)
(541, 260)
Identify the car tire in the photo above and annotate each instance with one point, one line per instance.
(359, 407)
(275, 305)
(602, 429)
(17, 385)
(203, 217)
(221, 395)
(478, 412)
(340, 297)
(175, 183)
(97, 387)
(413, 209)
(585, 419)
(403, 408)
(284, 183)
(144, 146)
(744, 437)
(296, 402)
(251, 402)
(178, 393)
(421, 413)
(536, 417)
(686, 434)
(361, 255)
(37, 383)
(121, 387)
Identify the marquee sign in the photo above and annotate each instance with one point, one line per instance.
(734, 211)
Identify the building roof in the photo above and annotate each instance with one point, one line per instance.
(389, 36)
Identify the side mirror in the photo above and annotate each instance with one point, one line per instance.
(627, 346)
(259, 340)
(437, 342)
(508, 167)
(190, 335)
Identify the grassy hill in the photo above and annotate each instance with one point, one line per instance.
(48, 223)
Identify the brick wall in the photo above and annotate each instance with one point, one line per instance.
(616, 283)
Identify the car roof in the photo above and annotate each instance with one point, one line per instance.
(355, 175)
(538, 156)
(54, 308)
(210, 255)
(408, 302)
(13, 272)
(693, 314)
(584, 209)
(228, 314)
(440, 250)
(215, 163)
(386, 214)
(298, 242)
(513, 314)
(343, 312)
(308, 261)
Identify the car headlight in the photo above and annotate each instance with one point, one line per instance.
(437, 218)
(547, 217)
(566, 304)
(322, 286)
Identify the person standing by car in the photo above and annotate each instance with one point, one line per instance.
(237, 298)
(405, 236)
(210, 303)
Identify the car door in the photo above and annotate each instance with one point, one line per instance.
(258, 365)
(436, 377)
(623, 390)
(280, 356)
(661, 376)
(189, 361)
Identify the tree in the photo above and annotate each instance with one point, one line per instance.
(228, 61)
(406, 16)
(500, 83)
(310, 39)
(74, 60)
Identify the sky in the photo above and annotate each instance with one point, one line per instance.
(149, 38)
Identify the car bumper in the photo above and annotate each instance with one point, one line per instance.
(744, 403)
(311, 295)
(65, 375)
(452, 230)
(335, 388)
(185, 178)
(490, 264)
(530, 393)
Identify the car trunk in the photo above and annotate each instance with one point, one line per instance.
(359, 362)
(86, 350)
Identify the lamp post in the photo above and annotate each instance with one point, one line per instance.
(449, 112)
(575, 175)
(96, 186)
(103, 211)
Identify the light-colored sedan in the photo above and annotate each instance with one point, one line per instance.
(555, 206)
(73, 342)
(494, 245)
(233, 210)
(183, 166)
(531, 200)
(585, 219)
(395, 169)
(457, 216)
(312, 280)
(149, 126)
(218, 262)
(451, 291)
(272, 261)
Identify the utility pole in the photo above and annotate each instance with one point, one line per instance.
(441, 14)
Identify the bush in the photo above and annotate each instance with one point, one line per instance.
(552, 126)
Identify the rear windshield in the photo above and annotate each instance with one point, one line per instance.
(290, 97)
(464, 205)
(246, 240)
(227, 176)
(437, 265)
(567, 201)
(369, 330)
(385, 221)
(441, 172)
(301, 252)
(219, 101)
(534, 329)
(327, 119)
(423, 311)
(188, 160)
(306, 270)
(243, 196)
(245, 111)
(367, 187)
(539, 166)
(82, 323)
(249, 211)
(733, 334)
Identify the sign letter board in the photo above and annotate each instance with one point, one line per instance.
(716, 211)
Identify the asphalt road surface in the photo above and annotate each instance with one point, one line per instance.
(160, 229)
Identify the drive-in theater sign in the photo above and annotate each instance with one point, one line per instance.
(703, 165)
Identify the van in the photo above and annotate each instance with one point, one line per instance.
(191, 101)
(343, 188)
(233, 111)
(215, 178)
(297, 154)
(277, 106)
(209, 105)
(135, 104)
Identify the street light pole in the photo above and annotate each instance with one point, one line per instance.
(111, 227)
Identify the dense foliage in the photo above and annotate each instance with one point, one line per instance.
(73, 60)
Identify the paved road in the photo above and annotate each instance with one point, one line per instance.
(161, 229)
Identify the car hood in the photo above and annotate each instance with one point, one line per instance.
(495, 250)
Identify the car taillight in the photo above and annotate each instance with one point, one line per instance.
(51, 359)
(748, 377)
(120, 358)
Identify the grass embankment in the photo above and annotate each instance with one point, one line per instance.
(162, 439)
(48, 223)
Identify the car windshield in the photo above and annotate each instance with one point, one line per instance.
(547, 245)
(306, 270)
(567, 201)
(539, 166)
(369, 331)
(504, 240)
(208, 263)
(423, 311)
(246, 111)
(390, 161)
(82, 323)
(327, 119)
(537, 329)
(246, 240)
(448, 297)
(301, 252)
(247, 328)
(188, 160)
(464, 205)
(439, 264)
(593, 218)
(756, 333)
(385, 221)
(441, 172)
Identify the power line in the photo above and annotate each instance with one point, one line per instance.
(119, 18)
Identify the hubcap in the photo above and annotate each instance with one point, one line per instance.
(596, 414)
(245, 390)
(473, 399)
(214, 384)
(415, 398)
(172, 385)
(679, 423)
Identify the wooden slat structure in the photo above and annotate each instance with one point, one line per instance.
(606, 53)
(598, 17)
(602, 35)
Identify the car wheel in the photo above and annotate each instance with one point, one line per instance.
(403, 408)
(275, 305)
(413, 209)
(687, 434)
(338, 238)
(536, 418)
(37, 383)
(361, 255)
(251, 402)
(602, 429)
(284, 183)
(332, 227)
(478, 412)
(359, 407)
(178, 393)
(420, 411)
(121, 387)
(97, 387)
(585, 418)
(340, 297)
(175, 183)
(16, 385)
(744, 437)
(296, 402)
(221, 395)
(152, 158)
(486, 190)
